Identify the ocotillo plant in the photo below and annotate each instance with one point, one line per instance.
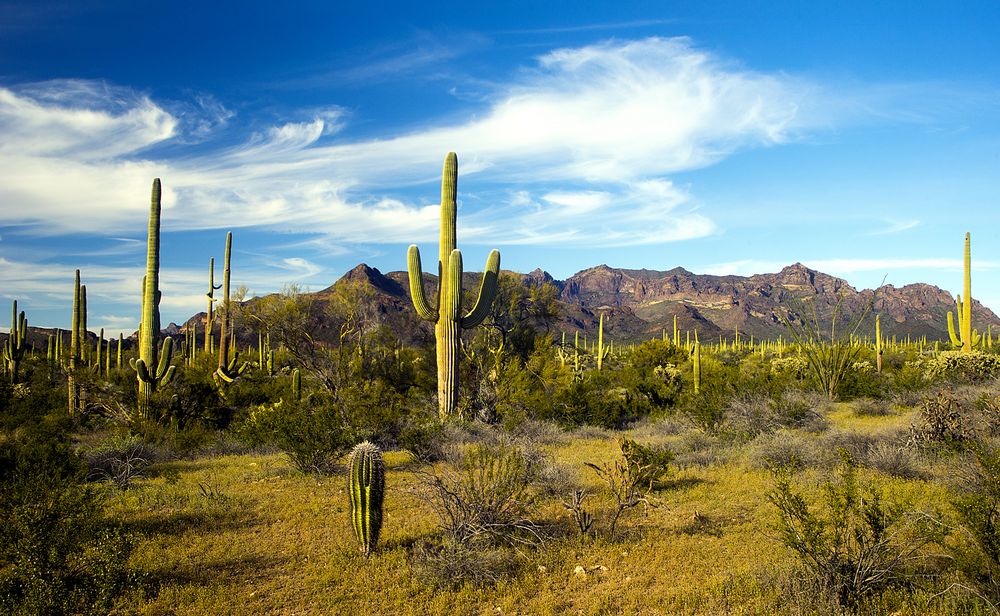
(210, 315)
(13, 350)
(152, 369)
(366, 485)
(447, 315)
(966, 337)
(228, 369)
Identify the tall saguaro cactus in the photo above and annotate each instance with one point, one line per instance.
(966, 336)
(447, 316)
(366, 484)
(74, 349)
(152, 368)
(229, 368)
(210, 315)
(13, 350)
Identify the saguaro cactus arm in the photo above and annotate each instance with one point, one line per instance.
(487, 292)
(415, 272)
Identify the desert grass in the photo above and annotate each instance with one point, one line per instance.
(247, 534)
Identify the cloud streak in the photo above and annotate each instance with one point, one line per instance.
(613, 119)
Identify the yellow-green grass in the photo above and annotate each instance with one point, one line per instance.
(246, 534)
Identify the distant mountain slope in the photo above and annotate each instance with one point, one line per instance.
(640, 304)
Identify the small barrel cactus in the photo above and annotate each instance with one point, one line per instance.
(366, 485)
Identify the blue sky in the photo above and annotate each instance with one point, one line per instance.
(863, 141)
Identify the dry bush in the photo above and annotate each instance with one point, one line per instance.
(893, 459)
(784, 449)
(870, 407)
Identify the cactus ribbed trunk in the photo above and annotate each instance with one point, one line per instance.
(224, 324)
(148, 330)
(74, 349)
(366, 485)
(966, 318)
(447, 317)
(152, 367)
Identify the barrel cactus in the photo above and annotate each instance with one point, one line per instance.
(366, 485)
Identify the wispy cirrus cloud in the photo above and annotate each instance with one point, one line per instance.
(610, 119)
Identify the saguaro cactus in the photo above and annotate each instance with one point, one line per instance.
(966, 336)
(13, 350)
(229, 368)
(696, 365)
(74, 349)
(210, 315)
(366, 485)
(878, 342)
(152, 368)
(447, 315)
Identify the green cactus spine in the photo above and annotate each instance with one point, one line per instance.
(152, 368)
(229, 367)
(366, 485)
(13, 350)
(447, 315)
(966, 338)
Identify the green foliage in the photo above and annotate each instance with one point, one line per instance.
(978, 507)
(630, 478)
(854, 544)
(312, 433)
(962, 366)
(58, 555)
(484, 495)
(366, 486)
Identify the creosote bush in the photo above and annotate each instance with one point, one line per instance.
(854, 544)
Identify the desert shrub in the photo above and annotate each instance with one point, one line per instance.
(697, 448)
(312, 434)
(449, 565)
(909, 379)
(853, 544)
(119, 460)
(893, 459)
(978, 507)
(957, 366)
(793, 366)
(630, 478)
(940, 423)
(855, 443)
(784, 449)
(598, 400)
(749, 416)
(869, 407)
(484, 495)
(860, 380)
(58, 555)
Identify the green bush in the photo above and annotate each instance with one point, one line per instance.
(312, 433)
(58, 555)
(956, 366)
(854, 544)
(978, 508)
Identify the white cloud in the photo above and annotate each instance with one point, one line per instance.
(609, 119)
